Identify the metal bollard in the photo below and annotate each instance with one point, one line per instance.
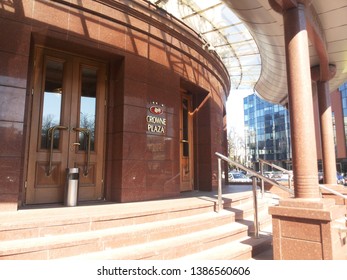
(71, 189)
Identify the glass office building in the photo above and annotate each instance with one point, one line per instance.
(267, 132)
(343, 90)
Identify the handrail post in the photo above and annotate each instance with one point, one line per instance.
(255, 204)
(219, 185)
(262, 181)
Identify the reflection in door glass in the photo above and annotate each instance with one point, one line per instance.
(52, 99)
(88, 107)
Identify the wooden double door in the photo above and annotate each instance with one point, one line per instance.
(67, 126)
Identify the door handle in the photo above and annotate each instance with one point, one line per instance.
(74, 146)
(50, 133)
(87, 133)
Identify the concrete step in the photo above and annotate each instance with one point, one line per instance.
(32, 223)
(264, 221)
(245, 248)
(47, 246)
(174, 247)
(234, 250)
(163, 229)
(246, 209)
(244, 213)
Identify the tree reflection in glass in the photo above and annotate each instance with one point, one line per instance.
(88, 107)
(52, 100)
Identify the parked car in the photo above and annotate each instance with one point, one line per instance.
(278, 175)
(339, 178)
(238, 177)
(345, 180)
(268, 174)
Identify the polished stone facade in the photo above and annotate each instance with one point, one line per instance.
(151, 58)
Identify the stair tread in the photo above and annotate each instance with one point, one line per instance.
(81, 214)
(229, 250)
(151, 249)
(80, 237)
(32, 218)
(233, 249)
(137, 231)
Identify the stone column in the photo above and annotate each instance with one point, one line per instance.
(305, 227)
(304, 154)
(326, 125)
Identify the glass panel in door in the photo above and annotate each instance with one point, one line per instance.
(88, 107)
(52, 102)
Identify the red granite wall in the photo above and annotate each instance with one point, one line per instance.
(151, 57)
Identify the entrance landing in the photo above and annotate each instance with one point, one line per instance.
(160, 229)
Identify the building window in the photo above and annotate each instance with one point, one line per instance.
(267, 131)
(343, 90)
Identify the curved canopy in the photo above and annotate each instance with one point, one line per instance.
(248, 35)
(224, 33)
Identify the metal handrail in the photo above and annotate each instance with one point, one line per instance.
(254, 173)
(275, 166)
(344, 228)
(290, 173)
(333, 191)
(254, 186)
(290, 178)
(255, 206)
(273, 181)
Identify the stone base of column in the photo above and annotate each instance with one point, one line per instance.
(309, 229)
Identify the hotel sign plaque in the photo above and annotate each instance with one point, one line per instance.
(155, 119)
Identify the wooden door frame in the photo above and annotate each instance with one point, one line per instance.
(36, 84)
(185, 95)
(36, 103)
